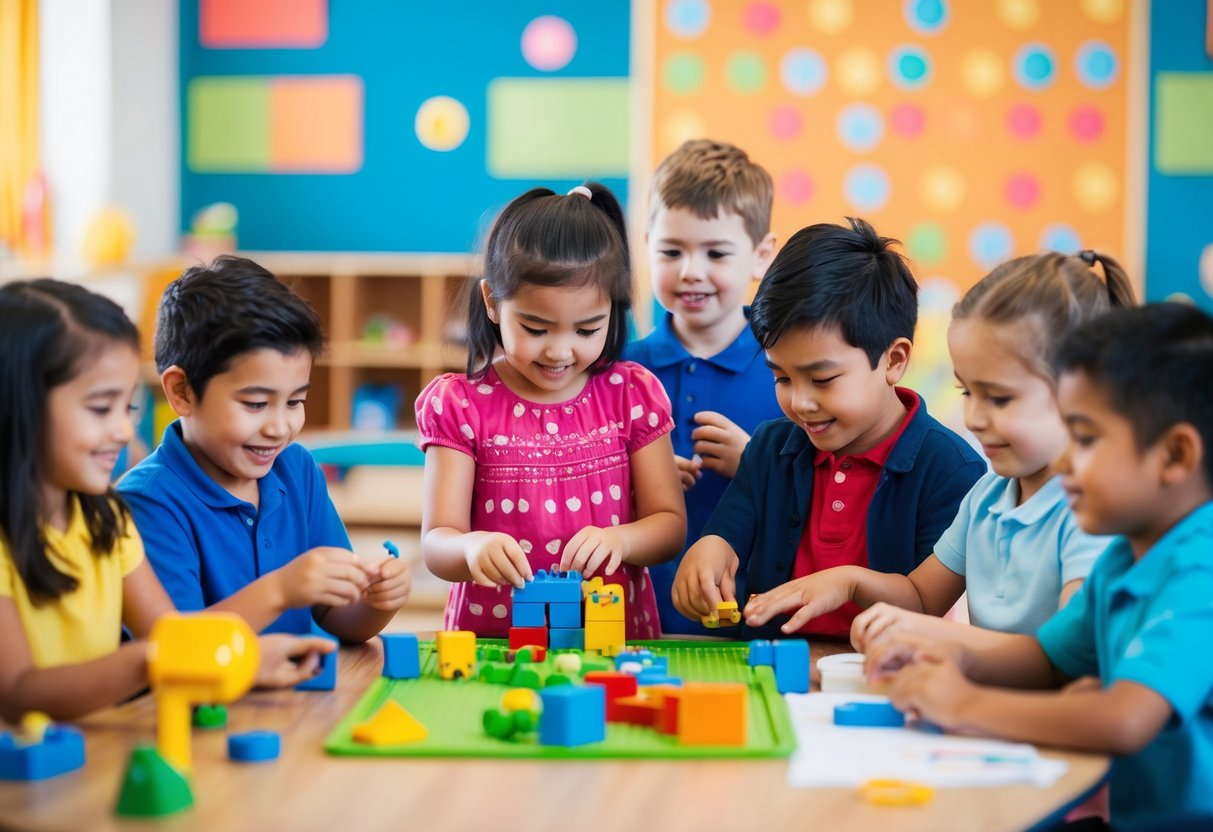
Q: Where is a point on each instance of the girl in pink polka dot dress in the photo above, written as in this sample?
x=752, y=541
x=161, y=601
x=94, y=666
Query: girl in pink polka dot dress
x=550, y=453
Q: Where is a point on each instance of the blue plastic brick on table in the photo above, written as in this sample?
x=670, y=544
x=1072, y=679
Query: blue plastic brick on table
x=326, y=679
x=565, y=615
x=573, y=715
x=762, y=653
x=651, y=676
x=791, y=665
x=529, y=615
x=566, y=639
x=869, y=715
x=254, y=746
x=551, y=588
x=61, y=751
x=401, y=656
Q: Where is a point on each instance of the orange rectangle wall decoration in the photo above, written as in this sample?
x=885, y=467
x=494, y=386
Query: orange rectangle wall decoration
x=316, y=124
x=265, y=24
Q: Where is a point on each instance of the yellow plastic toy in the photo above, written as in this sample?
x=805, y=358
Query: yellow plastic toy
x=205, y=658
x=896, y=793
x=726, y=611
x=456, y=654
x=391, y=725
x=33, y=727
x=604, y=617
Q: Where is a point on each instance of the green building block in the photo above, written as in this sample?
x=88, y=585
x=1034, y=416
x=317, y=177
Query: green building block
x=210, y=716
x=152, y=787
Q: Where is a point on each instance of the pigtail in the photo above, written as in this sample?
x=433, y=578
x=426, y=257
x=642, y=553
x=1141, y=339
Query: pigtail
x=1116, y=280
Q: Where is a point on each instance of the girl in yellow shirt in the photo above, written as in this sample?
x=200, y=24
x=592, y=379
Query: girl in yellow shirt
x=72, y=570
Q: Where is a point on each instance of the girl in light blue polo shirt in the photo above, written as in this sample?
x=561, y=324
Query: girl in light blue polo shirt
x=1014, y=546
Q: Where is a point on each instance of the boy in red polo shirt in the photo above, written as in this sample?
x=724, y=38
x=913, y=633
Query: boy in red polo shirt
x=858, y=473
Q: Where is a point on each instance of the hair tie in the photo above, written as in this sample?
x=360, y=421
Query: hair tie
x=1088, y=256
x=583, y=191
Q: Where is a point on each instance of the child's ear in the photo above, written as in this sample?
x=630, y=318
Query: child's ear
x=490, y=305
x=1183, y=453
x=764, y=253
x=898, y=357
x=178, y=391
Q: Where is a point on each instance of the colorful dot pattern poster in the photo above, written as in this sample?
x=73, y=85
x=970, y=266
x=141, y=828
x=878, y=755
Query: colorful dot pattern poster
x=972, y=131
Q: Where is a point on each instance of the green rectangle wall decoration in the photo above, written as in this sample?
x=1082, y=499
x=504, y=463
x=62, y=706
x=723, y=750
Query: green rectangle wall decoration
x=228, y=122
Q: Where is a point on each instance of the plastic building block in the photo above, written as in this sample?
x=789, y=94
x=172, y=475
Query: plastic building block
x=326, y=679
x=726, y=611
x=253, y=747
x=151, y=787
x=573, y=715
x=392, y=549
x=210, y=716
x=203, y=658
x=617, y=685
x=762, y=652
x=529, y=615
x=671, y=702
x=391, y=725
x=569, y=663
x=530, y=654
x=550, y=588
x=505, y=725
x=566, y=616
x=491, y=652
x=401, y=656
x=59, y=750
x=520, y=699
x=639, y=710
x=651, y=676
x=603, y=602
x=712, y=714
x=607, y=637
x=559, y=679
x=456, y=654
x=496, y=672
x=566, y=639
x=522, y=636
x=869, y=715
x=791, y=665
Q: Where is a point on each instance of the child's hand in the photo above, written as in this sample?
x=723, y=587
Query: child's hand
x=719, y=442
x=391, y=589
x=324, y=575
x=889, y=656
x=932, y=688
x=706, y=576
x=288, y=660
x=880, y=620
x=689, y=471
x=591, y=548
x=810, y=596
x=496, y=559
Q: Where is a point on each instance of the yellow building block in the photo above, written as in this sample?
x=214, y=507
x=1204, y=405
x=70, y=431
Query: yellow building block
x=607, y=637
x=392, y=725
x=456, y=654
x=603, y=602
x=520, y=699
x=712, y=714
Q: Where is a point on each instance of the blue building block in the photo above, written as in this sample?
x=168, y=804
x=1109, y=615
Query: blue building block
x=401, y=656
x=652, y=676
x=551, y=588
x=254, y=747
x=762, y=653
x=566, y=639
x=529, y=615
x=644, y=658
x=869, y=715
x=564, y=615
x=61, y=751
x=326, y=679
x=572, y=715
x=791, y=665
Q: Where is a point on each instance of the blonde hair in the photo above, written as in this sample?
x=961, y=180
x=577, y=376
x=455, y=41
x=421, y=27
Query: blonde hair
x=711, y=177
x=1044, y=297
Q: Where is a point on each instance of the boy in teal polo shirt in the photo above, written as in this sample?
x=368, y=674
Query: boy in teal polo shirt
x=234, y=515
x=708, y=239
x=1136, y=393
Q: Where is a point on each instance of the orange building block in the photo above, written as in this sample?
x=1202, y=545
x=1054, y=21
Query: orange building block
x=712, y=714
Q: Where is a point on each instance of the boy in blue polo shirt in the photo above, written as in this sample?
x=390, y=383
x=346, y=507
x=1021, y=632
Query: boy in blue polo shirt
x=1136, y=393
x=234, y=515
x=709, y=237
x=858, y=473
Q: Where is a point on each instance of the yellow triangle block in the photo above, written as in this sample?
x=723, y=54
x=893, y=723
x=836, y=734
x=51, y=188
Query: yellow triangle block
x=392, y=725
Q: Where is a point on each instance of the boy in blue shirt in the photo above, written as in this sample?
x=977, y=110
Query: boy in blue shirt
x=858, y=473
x=1136, y=392
x=234, y=515
x=709, y=237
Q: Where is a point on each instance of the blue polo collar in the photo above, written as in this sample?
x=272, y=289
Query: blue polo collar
x=666, y=350
x=1175, y=548
x=1038, y=506
x=177, y=458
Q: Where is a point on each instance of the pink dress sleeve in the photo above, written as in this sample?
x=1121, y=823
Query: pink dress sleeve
x=443, y=415
x=649, y=415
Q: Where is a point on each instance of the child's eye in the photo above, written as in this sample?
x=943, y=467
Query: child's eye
x=586, y=333
x=101, y=410
x=782, y=379
x=296, y=402
x=1000, y=401
x=1083, y=441
x=718, y=255
x=256, y=405
x=671, y=253
x=132, y=408
x=535, y=332
x=822, y=382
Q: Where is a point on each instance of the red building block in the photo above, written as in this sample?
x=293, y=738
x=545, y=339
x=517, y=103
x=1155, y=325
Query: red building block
x=524, y=636
x=617, y=685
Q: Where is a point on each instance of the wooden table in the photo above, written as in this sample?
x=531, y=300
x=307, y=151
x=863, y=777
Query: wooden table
x=307, y=789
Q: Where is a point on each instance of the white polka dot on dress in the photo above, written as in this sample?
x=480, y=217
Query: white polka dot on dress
x=485, y=389
x=488, y=506
x=523, y=506
x=652, y=420
x=614, y=519
x=467, y=431
x=596, y=498
x=500, y=611
x=615, y=378
x=573, y=503
x=475, y=609
x=550, y=505
x=436, y=403
x=637, y=411
x=553, y=547
x=552, y=428
x=507, y=505
x=616, y=492
x=519, y=409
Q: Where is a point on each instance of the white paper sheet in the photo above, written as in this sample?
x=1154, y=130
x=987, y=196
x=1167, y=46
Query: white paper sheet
x=832, y=755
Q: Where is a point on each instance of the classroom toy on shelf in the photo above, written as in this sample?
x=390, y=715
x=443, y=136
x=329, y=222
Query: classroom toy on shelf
x=40, y=749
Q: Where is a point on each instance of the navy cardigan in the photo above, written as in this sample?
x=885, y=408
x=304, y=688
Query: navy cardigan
x=763, y=512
